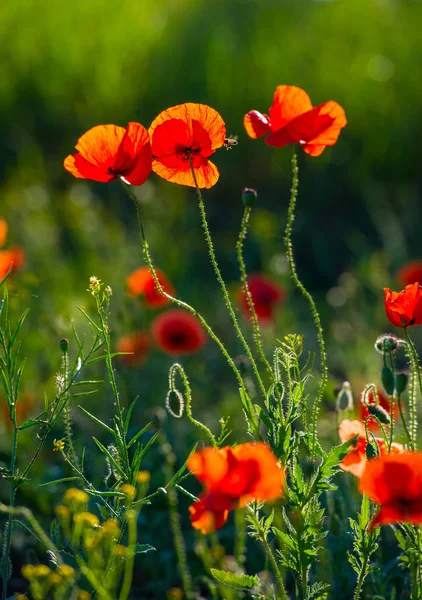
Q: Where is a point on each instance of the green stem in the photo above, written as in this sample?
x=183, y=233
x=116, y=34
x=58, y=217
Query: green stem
x=185, y=305
x=403, y=420
x=175, y=525
x=221, y=281
x=246, y=290
x=290, y=257
x=176, y=368
x=361, y=579
x=130, y=560
x=271, y=557
x=67, y=419
x=416, y=372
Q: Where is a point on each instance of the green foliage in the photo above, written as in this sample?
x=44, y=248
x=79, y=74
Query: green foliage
x=234, y=579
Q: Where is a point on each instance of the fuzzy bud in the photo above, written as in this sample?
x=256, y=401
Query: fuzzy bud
x=401, y=382
x=386, y=343
x=345, y=397
x=371, y=452
x=249, y=197
x=378, y=412
x=64, y=345
x=387, y=378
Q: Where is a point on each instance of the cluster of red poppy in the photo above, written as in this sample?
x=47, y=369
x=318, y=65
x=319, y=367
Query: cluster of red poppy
x=181, y=139
x=175, y=331
x=266, y=295
x=11, y=258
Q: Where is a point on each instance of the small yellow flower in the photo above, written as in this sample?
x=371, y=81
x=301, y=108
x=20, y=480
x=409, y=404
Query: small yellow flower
x=21, y=597
x=94, y=284
x=55, y=579
x=111, y=527
x=28, y=572
x=129, y=490
x=120, y=551
x=175, y=594
x=41, y=571
x=143, y=477
x=66, y=571
x=83, y=595
x=58, y=445
x=87, y=518
x=75, y=497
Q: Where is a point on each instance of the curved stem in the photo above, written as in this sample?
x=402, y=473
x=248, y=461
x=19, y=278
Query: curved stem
x=186, y=306
x=403, y=420
x=176, y=368
x=221, y=281
x=301, y=287
x=246, y=290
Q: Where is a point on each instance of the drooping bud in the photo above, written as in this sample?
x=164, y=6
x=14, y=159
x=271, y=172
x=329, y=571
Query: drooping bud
x=379, y=412
x=249, y=197
x=175, y=403
x=64, y=345
x=345, y=397
x=386, y=343
x=371, y=451
x=401, y=382
x=387, y=378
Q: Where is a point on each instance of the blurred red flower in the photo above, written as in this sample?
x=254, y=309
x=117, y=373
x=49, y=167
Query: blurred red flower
x=141, y=283
x=178, y=332
x=24, y=406
x=266, y=295
x=13, y=257
x=4, y=228
x=109, y=152
x=355, y=461
x=191, y=128
x=404, y=308
x=232, y=478
x=395, y=483
x=293, y=120
x=138, y=344
x=384, y=402
x=410, y=273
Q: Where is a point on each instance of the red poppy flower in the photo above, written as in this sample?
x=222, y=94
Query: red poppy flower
x=195, y=129
x=404, y=308
x=3, y=232
x=137, y=343
x=13, y=258
x=384, y=402
x=355, y=461
x=108, y=152
x=395, y=483
x=293, y=120
x=266, y=295
x=24, y=406
x=178, y=332
x=141, y=283
x=410, y=273
x=232, y=478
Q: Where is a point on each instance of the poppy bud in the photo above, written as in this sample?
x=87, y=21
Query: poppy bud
x=387, y=378
x=243, y=363
x=381, y=414
x=401, y=382
x=345, y=398
x=249, y=197
x=64, y=345
x=386, y=343
x=371, y=451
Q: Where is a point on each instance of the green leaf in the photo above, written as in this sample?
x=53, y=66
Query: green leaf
x=96, y=420
x=238, y=581
x=58, y=481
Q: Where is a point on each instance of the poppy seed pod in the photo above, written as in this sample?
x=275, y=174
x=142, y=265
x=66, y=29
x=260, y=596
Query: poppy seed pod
x=401, y=382
x=249, y=197
x=64, y=345
x=380, y=413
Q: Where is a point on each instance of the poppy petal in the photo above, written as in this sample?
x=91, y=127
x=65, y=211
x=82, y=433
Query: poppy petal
x=256, y=124
x=209, y=465
x=205, y=519
x=133, y=159
x=206, y=174
x=100, y=145
x=79, y=167
x=289, y=102
x=316, y=128
x=3, y=231
x=269, y=480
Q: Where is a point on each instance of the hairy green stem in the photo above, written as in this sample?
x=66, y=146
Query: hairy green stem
x=361, y=578
x=130, y=560
x=416, y=372
x=221, y=281
x=185, y=305
x=290, y=257
x=246, y=290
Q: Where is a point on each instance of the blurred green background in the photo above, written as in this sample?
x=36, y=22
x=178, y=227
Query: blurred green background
x=66, y=67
